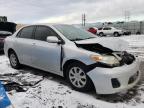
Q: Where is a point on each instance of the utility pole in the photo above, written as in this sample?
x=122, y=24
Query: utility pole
x=127, y=19
x=127, y=16
x=83, y=20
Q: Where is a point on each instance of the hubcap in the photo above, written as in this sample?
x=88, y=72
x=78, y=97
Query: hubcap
x=101, y=34
x=116, y=34
x=13, y=60
x=77, y=77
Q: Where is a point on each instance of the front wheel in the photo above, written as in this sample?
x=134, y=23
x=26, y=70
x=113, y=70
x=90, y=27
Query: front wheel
x=14, y=60
x=78, y=78
x=101, y=34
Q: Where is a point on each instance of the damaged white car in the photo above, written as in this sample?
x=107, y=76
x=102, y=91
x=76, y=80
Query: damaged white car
x=84, y=60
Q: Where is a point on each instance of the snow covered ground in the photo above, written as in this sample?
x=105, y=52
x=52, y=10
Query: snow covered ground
x=136, y=44
x=32, y=88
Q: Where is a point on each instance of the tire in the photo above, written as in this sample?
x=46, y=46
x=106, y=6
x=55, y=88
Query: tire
x=116, y=34
x=14, y=62
x=101, y=34
x=78, y=78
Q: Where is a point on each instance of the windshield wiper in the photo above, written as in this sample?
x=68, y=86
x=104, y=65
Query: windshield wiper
x=89, y=37
x=76, y=39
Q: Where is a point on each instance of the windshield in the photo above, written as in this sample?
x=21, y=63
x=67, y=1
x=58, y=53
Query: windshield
x=72, y=33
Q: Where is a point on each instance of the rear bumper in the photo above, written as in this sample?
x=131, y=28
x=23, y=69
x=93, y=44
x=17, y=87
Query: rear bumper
x=102, y=78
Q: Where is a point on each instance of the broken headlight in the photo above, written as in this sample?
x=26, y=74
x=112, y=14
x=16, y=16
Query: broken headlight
x=106, y=59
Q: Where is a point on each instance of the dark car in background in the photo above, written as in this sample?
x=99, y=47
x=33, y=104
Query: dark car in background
x=6, y=29
x=3, y=35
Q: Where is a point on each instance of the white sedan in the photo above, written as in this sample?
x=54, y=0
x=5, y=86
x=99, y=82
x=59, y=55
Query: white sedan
x=85, y=60
x=109, y=31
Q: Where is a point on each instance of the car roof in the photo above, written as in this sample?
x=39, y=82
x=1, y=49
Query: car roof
x=45, y=24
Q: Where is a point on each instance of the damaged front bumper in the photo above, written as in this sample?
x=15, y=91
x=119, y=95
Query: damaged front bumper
x=117, y=79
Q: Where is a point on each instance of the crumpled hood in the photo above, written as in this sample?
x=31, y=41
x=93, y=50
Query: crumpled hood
x=114, y=44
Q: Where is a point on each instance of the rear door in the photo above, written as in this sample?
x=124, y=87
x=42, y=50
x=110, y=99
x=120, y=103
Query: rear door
x=46, y=56
x=23, y=44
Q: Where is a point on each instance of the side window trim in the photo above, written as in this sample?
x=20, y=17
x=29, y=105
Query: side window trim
x=19, y=33
x=33, y=33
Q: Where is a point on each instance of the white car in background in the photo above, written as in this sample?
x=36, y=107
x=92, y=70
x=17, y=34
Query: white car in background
x=85, y=60
x=109, y=31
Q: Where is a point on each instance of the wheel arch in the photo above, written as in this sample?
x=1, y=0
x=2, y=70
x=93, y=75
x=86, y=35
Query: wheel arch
x=116, y=32
x=68, y=62
x=9, y=51
x=101, y=32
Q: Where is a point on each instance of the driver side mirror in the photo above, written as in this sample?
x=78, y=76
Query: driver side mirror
x=53, y=39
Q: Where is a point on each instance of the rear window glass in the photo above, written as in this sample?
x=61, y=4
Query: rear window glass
x=26, y=32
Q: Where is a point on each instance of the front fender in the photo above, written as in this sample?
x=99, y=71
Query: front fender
x=74, y=53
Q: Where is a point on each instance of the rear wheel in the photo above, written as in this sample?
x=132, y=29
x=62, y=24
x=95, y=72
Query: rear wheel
x=116, y=34
x=78, y=78
x=14, y=60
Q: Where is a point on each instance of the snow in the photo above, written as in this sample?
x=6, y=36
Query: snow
x=45, y=90
x=5, y=66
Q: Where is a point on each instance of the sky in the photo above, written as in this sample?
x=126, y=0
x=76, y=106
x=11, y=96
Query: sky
x=70, y=11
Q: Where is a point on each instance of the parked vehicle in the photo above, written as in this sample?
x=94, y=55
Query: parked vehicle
x=6, y=29
x=85, y=60
x=3, y=35
x=93, y=30
x=125, y=32
x=109, y=31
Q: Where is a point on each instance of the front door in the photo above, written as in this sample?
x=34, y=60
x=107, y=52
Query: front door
x=46, y=56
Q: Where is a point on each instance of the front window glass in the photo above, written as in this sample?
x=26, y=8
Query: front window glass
x=107, y=28
x=43, y=32
x=72, y=33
